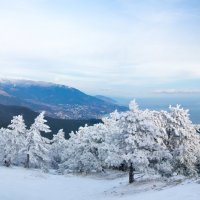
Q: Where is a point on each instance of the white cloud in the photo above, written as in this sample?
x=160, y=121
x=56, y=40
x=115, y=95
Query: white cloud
x=178, y=91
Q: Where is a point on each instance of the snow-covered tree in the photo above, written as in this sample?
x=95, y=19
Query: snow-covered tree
x=5, y=142
x=133, y=106
x=58, y=144
x=135, y=143
x=84, y=152
x=12, y=140
x=183, y=140
x=36, y=146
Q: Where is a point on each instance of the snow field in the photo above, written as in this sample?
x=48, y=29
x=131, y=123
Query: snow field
x=22, y=184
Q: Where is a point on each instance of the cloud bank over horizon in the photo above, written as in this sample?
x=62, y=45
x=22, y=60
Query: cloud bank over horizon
x=175, y=91
x=117, y=47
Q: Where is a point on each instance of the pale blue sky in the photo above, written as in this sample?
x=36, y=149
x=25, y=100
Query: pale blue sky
x=111, y=47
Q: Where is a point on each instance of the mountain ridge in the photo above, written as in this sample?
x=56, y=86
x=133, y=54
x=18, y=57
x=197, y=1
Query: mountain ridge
x=59, y=101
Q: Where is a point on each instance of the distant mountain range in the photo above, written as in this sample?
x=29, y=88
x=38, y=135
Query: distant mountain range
x=59, y=101
x=107, y=99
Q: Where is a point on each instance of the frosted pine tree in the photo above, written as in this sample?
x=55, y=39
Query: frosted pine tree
x=37, y=147
x=16, y=137
x=5, y=146
x=58, y=144
x=133, y=106
x=134, y=145
x=12, y=141
x=84, y=151
x=160, y=158
x=183, y=140
x=124, y=149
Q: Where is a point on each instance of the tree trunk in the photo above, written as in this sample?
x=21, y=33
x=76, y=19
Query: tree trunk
x=7, y=163
x=27, y=161
x=131, y=173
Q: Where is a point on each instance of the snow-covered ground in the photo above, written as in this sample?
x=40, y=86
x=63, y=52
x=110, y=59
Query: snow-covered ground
x=23, y=184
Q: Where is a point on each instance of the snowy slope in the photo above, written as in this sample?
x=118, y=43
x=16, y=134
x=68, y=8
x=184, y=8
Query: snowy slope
x=22, y=184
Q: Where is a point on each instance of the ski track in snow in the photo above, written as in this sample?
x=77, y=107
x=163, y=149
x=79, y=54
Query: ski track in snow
x=22, y=184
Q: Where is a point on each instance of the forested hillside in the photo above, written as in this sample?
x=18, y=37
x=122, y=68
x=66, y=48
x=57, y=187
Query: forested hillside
x=68, y=125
